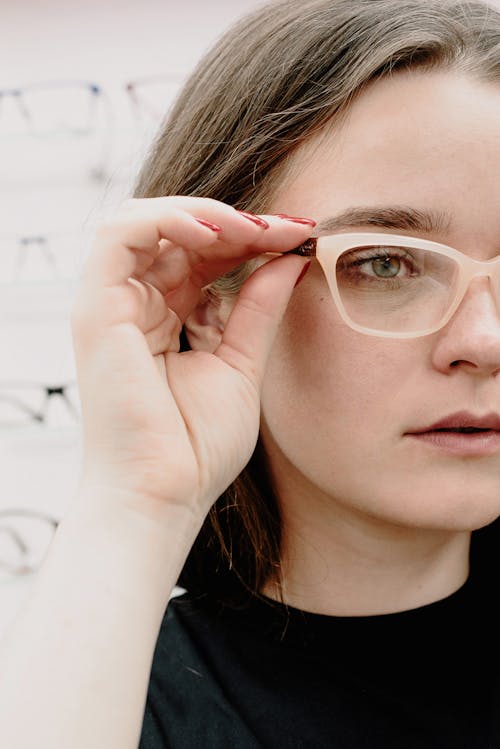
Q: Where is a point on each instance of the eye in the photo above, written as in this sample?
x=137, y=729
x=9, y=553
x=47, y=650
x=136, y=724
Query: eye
x=386, y=267
x=377, y=263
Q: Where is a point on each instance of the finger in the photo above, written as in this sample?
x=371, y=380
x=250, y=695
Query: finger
x=136, y=238
x=166, y=214
x=121, y=241
x=238, y=241
x=284, y=229
x=165, y=337
x=128, y=244
x=160, y=240
x=175, y=271
x=255, y=318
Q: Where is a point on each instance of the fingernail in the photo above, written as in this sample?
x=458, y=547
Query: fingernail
x=255, y=219
x=302, y=273
x=209, y=225
x=297, y=219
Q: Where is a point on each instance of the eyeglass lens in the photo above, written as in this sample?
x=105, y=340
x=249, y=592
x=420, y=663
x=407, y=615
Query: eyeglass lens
x=396, y=289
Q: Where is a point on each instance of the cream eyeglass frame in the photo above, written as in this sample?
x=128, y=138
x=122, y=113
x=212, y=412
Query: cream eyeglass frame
x=328, y=248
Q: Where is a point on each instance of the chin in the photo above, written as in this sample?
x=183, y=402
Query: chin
x=457, y=516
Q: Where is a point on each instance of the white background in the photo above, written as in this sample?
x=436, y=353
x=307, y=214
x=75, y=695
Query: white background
x=46, y=190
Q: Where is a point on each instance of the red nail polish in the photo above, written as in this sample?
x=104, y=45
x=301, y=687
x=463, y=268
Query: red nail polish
x=297, y=219
x=302, y=273
x=255, y=219
x=209, y=225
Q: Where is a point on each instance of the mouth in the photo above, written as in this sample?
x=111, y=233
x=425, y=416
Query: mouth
x=463, y=430
x=463, y=434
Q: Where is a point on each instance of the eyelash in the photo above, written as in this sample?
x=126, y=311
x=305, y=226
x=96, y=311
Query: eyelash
x=377, y=255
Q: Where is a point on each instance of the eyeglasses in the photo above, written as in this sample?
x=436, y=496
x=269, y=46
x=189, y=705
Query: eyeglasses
x=396, y=286
x=29, y=403
x=25, y=537
x=46, y=121
x=42, y=258
x=151, y=96
x=51, y=109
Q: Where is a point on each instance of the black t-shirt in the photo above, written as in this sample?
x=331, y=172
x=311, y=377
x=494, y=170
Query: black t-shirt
x=273, y=676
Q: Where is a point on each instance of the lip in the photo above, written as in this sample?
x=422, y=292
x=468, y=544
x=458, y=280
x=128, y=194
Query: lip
x=462, y=443
x=463, y=419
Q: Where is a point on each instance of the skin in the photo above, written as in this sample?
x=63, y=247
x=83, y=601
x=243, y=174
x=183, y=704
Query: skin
x=373, y=521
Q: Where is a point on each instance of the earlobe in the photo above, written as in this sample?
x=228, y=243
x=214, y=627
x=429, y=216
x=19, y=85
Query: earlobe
x=204, y=326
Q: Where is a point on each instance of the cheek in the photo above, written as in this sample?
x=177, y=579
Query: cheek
x=320, y=370
x=329, y=390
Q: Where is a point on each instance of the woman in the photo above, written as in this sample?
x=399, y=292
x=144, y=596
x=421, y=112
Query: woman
x=319, y=466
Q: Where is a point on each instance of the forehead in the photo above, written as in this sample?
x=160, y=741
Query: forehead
x=426, y=139
x=418, y=114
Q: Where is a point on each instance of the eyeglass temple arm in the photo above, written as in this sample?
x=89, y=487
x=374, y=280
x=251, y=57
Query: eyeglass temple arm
x=306, y=249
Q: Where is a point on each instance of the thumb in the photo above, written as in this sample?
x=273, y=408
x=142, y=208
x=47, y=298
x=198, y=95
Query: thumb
x=254, y=320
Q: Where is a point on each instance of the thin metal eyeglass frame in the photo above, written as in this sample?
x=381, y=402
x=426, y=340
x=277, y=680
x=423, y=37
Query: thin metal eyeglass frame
x=18, y=93
x=98, y=100
x=328, y=248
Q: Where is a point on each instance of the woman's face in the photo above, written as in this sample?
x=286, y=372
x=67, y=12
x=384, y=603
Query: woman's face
x=337, y=405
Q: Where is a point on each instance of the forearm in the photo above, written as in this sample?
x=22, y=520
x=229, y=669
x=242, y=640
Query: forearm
x=75, y=665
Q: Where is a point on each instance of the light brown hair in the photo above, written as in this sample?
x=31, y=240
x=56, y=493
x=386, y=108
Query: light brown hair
x=274, y=79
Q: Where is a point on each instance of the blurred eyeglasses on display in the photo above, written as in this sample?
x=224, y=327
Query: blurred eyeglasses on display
x=38, y=257
x=151, y=96
x=30, y=404
x=25, y=538
x=44, y=127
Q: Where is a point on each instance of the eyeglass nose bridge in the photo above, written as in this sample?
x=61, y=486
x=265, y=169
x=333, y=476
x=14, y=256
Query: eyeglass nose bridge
x=472, y=269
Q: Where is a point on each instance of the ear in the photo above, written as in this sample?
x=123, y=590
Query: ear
x=205, y=324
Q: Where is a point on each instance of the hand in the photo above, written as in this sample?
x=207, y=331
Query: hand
x=160, y=427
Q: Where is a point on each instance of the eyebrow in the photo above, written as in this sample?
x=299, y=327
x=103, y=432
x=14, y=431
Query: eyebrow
x=394, y=217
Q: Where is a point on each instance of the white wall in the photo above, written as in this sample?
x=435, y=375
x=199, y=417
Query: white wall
x=45, y=189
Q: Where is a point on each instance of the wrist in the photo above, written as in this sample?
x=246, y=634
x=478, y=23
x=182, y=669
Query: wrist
x=97, y=498
x=128, y=547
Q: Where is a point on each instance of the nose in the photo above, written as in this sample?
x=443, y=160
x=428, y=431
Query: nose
x=471, y=339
